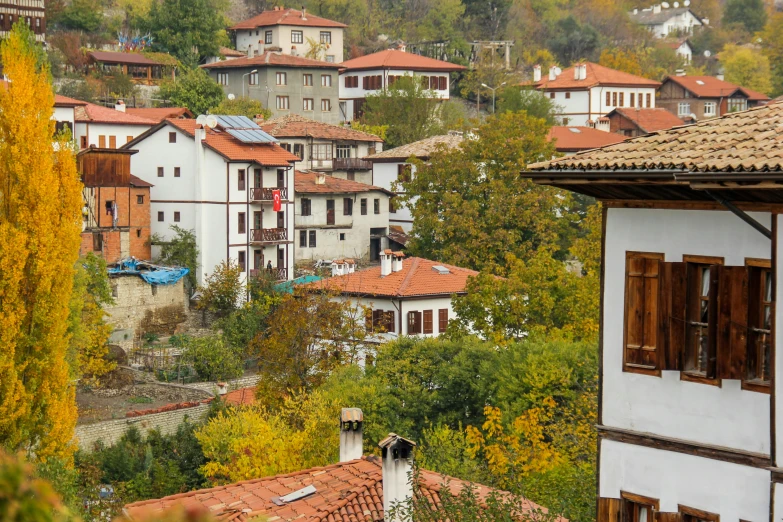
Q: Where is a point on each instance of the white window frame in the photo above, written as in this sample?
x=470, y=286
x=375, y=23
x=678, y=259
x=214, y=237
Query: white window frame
x=326, y=80
x=737, y=104
x=710, y=108
x=330, y=58
x=321, y=151
x=281, y=78
x=342, y=151
x=222, y=78
x=683, y=109
x=307, y=104
x=326, y=105
x=297, y=37
x=282, y=103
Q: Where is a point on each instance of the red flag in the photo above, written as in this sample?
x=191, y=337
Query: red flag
x=276, y=202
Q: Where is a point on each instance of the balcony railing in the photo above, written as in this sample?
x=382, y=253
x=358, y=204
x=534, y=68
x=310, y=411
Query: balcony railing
x=351, y=164
x=270, y=235
x=265, y=194
x=280, y=274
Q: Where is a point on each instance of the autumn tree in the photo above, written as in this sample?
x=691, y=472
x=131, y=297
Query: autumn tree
x=472, y=207
x=24, y=497
x=191, y=30
x=772, y=48
x=39, y=245
x=241, y=107
x=223, y=289
x=751, y=14
x=747, y=68
x=193, y=89
x=180, y=250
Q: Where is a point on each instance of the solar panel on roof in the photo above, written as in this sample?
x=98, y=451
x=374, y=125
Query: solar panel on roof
x=251, y=136
x=236, y=122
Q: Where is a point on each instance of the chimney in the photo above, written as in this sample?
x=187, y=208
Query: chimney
x=536, y=73
x=351, y=423
x=120, y=106
x=553, y=73
x=249, y=51
x=259, y=119
x=656, y=8
x=320, y=178
x=222, y=388
x=338, y=267
x=635, y=11
x=720, y=76
x=350, y=266
x=397, y=261
x=679, y=72
x=304, y=13
x=397, y=459
x=705, y=21
x=580, y=71
x=386, y=262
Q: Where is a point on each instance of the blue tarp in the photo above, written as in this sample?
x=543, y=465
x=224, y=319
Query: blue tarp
x=288, y=286
x=152, y=274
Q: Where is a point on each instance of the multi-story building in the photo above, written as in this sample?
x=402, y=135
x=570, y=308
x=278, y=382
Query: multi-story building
x=663, y=21
x=637, y=122
x=688, y=417
x=694, y=98
x=233, y=185
x=366, y=75
x=291, y=32
x=116, y=208
x=284, y=84
x=31, y=11
x=106, y=128
x=340, y=218
x=323, y=147
x=587, y=91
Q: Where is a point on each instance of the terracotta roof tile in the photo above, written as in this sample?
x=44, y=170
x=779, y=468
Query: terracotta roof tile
x=417, y=278
x=240, y=397
x=64, y=101
x=91, y=113
x=421, y=149
x=596, y=75
x=572, y=139
x=296, y=126
x=285, y=17
x=159, y=114
x=271, y=59
x=305, y=183
x=118, y=57
x=138, y=182
x=742, y=141
x=650, y=120
x=399, y=60
x=711, y=87
x=226, y=52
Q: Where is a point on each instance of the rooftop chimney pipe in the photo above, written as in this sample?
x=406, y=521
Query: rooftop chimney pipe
x=397, y=458
x=351, y=428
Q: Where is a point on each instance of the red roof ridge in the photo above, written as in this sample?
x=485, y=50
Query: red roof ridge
x=283, y=17
x=596, y=74
x=400, y=60
x=407, y=281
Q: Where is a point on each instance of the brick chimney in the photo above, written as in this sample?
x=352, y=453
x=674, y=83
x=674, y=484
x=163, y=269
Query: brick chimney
x=386, y=262
x=536, y=73
x=351, y=428
x=397, y=460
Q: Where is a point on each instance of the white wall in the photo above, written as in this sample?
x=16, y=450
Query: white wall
x=732, y=491
x=360, y=92
x=584, y=105
x=383, y=175
x=281, y=37
x=682, y=22
x=724, y=416
x=778, y=343
x=120, y=132
x=64, y=114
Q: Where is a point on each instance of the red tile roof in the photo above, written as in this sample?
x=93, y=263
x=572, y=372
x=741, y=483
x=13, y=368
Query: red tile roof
x=305, y=183
x=350, y=491
x=273, y=59
x=64, y=101
x=91, y=113
x=417, y=278
x=124, y=58
x=596, y=75
x=295, y=126
x=650, y=120
x=138, y=182
x=160, y=114
x=225, y=51
x=285, y=17
x=711, y=87
x=240, y=397
x=573, y=139
x=268, y=154
x=399, y=60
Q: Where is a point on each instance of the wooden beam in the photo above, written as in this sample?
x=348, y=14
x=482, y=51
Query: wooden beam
x=692, y=205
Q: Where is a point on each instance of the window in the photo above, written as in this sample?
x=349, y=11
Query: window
x=427, y=321
x=568, y=95
x=241, y=223
x=139, y=199
x=351, y=82
x=282, y=103
x=222, y=78
x=312, y=238
x=614, y=99
x=160, y=216
x=102, y=142
x=343, y=151
x=112, y=142
x=342, y=236
x=347, y=207
x=321, y=151
x=710, y=109
x=297, y=37
x=636, y=508
x=642, y=282
x=649, y=100
x=299, y=150
x=307, y=80
x=622, y=99
x=376, y=206
x=128, y=139
x=307, y=104
x=326, y=37
x=414, y=323
x=683, y=109
x=434, y=83
x=306, y=207
x=608, y=98
x=330, y=58
x=633, y=100
x=326, y=104
x=701, y=308
x=83, y=142
x=241, y=179
x=253, y=78
x=443, y=320
x=172, y=137
x=176, y=172
x=551, y=96
x=404, y=172
x=372, y=83
x=379, y=321
x=392, y=206
x=176, y=217
x=303, y=238
x=97, y=241
x=268, y=38
x=281, y=78
x=138, y=232
x=160, y=172
x=443, y=83
x=737, y=104
x=242, y=260
x=364, y=206
x=696, y=515
x=759, y=324
x=286, y=146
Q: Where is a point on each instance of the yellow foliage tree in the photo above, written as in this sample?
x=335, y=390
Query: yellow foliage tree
x=746, y=67
x=40, y=203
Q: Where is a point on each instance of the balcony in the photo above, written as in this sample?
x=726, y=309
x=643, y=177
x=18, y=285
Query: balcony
x=351, y=164
x=268, y=235
x=279, y=274
x=265, y=194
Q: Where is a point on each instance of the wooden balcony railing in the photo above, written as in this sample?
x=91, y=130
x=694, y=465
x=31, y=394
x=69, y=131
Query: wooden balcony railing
x=262, y=235
x=351, y=164
x=280, y=274
x=265, y=194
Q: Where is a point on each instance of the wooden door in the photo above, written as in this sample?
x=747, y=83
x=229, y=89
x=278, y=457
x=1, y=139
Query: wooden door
x=258, y=259
x=330, y=212
x=257, y=179
x=280, y=258
x=281, y=220
x=280, y=178
x=257, y=220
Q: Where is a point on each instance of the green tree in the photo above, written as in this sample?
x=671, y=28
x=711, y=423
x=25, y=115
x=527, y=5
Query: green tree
x=191, y=30
x=223, y=288
x=751, y=14
x=471, y=206
x=213, y=359
x=747, y=68
x=193, y=89
x=26, y=498
x=531, y=101
x=181, y=250
x=772, y=47
x=571, y=41
x=83, y=15
x=241, y=107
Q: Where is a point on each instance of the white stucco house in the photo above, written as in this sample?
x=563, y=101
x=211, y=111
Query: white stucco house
x=407, y=296
x=587, y=91
x=337, y=150
x=337, y=218
x=290, y=31
x=688, y=417
x=662, y=21
x=107, y=128
x=224, y=184
x=369, y=74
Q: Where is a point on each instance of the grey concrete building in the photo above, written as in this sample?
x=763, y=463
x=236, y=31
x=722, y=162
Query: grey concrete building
x=282, y=83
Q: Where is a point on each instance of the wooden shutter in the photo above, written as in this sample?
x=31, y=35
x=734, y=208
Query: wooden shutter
x=112, y=142
x=641, y=311
x=414, y=323
x=443, y=320
x=368, y=316
x=732, y=338
x=388, y=321
x=609, y=510
x=366, y=83
x=433, y=83
x=672, y=312
x=427, y=321
x=442, y=83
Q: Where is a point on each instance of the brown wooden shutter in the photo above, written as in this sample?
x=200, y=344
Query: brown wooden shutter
x=609, y=510
x=712, y=328
x=673, y=290
x=427, y=321
x=368, y=315
x=443, y=320
x=641, y=311
x=388, y=320
x=442, y=84
x=411, y=322
x=366, y=83
x=732, y=338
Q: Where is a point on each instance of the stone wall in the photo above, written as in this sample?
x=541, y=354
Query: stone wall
x=235, y=384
